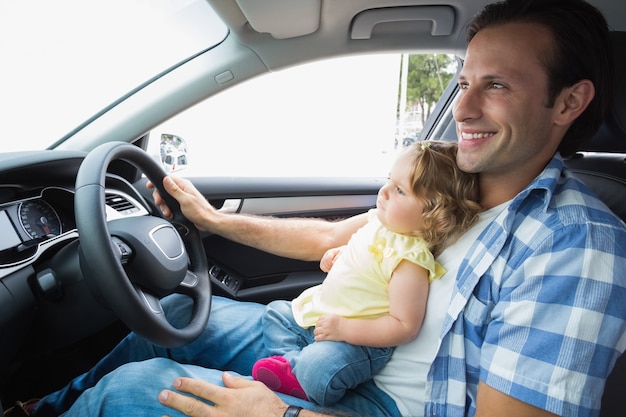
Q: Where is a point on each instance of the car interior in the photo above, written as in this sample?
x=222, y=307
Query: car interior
x=56, y=321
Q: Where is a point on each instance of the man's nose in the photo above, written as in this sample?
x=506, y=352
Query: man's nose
x=466, y=106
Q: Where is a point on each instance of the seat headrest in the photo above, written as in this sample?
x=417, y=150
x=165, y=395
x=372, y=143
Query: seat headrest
x=611, y=137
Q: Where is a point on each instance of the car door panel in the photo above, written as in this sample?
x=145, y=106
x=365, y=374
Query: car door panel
x=245, y=273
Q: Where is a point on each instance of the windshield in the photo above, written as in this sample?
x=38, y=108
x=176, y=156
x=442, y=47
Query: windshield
x=65, y=60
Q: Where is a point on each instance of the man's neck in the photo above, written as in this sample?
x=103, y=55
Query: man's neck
x=497, y=190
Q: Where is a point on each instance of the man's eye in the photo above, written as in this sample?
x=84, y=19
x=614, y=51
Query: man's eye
x=497, y=86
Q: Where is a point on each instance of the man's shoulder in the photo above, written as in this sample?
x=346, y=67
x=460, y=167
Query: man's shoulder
x=557, y=196
x=560, y=208
x=575, y=203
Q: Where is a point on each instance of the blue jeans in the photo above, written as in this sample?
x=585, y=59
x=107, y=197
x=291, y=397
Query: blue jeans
x=233, y=341
x=325, y=370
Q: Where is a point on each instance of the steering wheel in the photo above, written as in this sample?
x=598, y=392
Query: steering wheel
x=133, y=262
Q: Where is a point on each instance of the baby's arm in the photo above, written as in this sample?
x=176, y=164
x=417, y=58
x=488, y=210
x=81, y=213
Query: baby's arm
x=328, y=260
x=408, y=294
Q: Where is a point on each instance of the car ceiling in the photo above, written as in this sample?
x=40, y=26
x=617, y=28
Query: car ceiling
x=319, y=28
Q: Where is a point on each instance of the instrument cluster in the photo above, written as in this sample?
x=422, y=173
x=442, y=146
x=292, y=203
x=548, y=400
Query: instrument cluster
x=25, y=224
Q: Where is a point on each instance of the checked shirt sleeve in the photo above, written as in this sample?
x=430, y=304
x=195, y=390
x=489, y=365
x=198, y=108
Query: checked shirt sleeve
x=557, y=324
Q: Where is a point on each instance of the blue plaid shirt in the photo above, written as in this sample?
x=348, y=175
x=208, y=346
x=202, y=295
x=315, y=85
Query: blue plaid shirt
x=539, y=308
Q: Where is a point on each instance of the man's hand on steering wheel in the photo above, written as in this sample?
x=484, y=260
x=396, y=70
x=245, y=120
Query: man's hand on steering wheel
x=193, y=205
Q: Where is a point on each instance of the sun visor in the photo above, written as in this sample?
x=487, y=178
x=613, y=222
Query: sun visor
x=282, y=18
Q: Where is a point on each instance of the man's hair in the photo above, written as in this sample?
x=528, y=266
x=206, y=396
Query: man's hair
x=581, y=51
x=450, y=196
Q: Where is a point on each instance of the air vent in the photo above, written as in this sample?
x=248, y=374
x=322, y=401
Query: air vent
x=120, y=204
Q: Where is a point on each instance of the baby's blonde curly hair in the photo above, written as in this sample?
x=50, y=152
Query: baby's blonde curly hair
x=450, y=195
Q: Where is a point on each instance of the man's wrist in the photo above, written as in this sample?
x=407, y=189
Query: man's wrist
x=292, y=411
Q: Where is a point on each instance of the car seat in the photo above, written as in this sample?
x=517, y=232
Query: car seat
x=603, y=164
x=603, y=168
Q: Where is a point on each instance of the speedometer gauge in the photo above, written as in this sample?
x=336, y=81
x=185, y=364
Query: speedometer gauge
x=39, y=219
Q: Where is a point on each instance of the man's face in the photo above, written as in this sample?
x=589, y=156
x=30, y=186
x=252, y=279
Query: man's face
x=505, y=130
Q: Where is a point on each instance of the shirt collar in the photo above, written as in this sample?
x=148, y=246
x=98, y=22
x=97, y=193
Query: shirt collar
x=543, y=186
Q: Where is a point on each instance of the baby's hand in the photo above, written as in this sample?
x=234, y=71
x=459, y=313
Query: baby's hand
x=329, y=258
x=328, y=327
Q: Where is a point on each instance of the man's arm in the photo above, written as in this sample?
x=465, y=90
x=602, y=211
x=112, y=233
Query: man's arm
x=304, y=239
x=492, y=403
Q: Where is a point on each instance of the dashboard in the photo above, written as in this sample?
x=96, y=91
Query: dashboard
x=37, y=204
x=33, y=224
x=26, y=224
x=42, y=287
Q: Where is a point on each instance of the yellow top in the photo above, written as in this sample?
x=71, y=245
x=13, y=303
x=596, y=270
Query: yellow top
x=357, y=284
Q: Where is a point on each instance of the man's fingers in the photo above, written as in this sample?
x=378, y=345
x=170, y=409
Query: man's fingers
x=233, y=381
x=170, y=185
x=188, y=405
x=197, y=387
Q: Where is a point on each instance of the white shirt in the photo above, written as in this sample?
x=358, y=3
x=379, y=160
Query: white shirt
x=404, y=376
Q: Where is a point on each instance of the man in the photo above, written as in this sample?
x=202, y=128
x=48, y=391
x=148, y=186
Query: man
x=535, y=280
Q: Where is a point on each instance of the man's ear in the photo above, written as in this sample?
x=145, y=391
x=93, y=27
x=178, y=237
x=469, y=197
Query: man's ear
x=573, y=101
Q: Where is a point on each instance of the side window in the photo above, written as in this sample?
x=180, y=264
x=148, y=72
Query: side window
x=340, y=117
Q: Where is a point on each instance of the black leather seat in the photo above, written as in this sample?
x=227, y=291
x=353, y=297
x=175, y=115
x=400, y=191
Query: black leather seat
x=603, y=164
x=605, y=174
x=603, y=168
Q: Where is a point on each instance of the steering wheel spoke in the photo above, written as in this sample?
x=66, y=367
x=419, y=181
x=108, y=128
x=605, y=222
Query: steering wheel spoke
x=190, y=280
x=153, y=304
